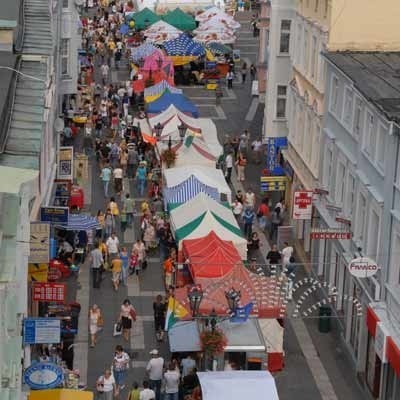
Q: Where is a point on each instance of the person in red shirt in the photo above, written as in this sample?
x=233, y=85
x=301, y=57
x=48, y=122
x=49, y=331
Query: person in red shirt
x=263, y=213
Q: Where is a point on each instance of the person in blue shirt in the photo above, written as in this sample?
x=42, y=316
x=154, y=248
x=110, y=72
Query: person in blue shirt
x=106, y=177
x=248, y=218
x=141, y=175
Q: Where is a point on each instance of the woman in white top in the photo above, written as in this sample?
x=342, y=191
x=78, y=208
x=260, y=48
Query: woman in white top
x=106, y=385
x=141, y=252
x=95, y=321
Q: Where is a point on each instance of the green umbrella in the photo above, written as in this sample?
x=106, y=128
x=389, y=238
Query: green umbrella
x=143, y=19
x=180, y=20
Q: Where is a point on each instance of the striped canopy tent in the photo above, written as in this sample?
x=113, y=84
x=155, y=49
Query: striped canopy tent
x=180, y=101
x=143, y=51
x=158, y=63
x=161, y=32
x=209, y=176
x=180, y=20
x=144, y=18
x=154, y=92
x=79, y=222
x=171, y=130
x=199, y=216
x=169, y=113
x=186, y=190
x=184, y=49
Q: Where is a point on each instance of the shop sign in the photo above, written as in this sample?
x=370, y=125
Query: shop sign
x=51, y=292
x=43, y=375
x=381, y=341
x=363, y=267
x=55, y=215
x=273, y=184
x=334, y=234
x=39, y=243
x=65, y=160
x=42, y=330
x=274, y=145
x=302, y=204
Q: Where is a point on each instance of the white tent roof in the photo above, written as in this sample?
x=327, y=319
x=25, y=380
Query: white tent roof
x=169, y=113
x=210, y=135
x=238, y=385
x=209, y=13
x=209, y=176
x=220, y=20
x=161, y=32
x=220, y=37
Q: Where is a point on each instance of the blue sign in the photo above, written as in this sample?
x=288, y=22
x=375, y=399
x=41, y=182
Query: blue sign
x=43, y=375
x=211, y=64
x=42, y=330
x=54, y=215
x=242, y=313
x=274, y=144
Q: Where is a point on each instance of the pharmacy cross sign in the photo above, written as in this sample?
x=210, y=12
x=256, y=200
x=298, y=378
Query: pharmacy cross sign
x=302, y=204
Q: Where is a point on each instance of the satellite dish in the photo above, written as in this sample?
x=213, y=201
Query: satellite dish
x=59, y=124
x=79, y=2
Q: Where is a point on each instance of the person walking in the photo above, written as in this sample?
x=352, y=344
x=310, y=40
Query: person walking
x=106, y=385
x=241, y=164
x=287, y=253
x=140, y=248
x=118, y=176
x=116, y=268
x=95, y=323
x=159, y=309
x=141, y=175
x=263, y=214
x=187, y=364
x=106, y=177
x=120, y=365
x=133, y=161
x=244, y=72
x=155, y=371
x=237, y=209
x=228, y=166
x=248, y=219
x=105, y=69
x=112, y=244
x=276, y=220
x=147, y=393
x=134, y=394
x=101, y=220
x=256, y=146
x=274, y=257
x=97, y=262
x=253, y=72
x=172, y=379
x=123, y=255
x=229, y=79
x=126, y=316
x=109, y=223
x=129, y=205
x=250, y=199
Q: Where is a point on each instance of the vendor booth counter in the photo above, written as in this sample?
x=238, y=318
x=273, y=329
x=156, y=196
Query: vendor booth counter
x=60, y=394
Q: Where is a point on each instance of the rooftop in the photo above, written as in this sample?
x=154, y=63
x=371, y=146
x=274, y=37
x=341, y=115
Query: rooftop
x=376, y=75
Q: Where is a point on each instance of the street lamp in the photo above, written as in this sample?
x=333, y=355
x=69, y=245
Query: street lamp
x=232, y=297
x=158, y=129
x=169, y=143
x=195, y=295
x=182, y=131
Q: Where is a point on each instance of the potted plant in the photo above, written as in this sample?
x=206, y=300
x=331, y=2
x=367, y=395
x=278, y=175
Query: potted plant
x=168, y=156
x=213, y=342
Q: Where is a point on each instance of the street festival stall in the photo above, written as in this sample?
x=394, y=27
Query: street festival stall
x=161, y=32
x=180, y=20
x=181, y=102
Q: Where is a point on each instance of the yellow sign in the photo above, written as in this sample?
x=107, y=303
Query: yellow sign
x=60, y=394
x=37, y=272
x=273, y=183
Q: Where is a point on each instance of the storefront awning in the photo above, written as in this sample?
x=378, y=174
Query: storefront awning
x=184, y=336
x=60, y=394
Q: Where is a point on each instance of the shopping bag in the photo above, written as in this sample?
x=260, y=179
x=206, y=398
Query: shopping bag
x=132, y=313
x=117, y=329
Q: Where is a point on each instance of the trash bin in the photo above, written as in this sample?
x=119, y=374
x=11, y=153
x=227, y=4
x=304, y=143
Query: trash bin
x=324, y=322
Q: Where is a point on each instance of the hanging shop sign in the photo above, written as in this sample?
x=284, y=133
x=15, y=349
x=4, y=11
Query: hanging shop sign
x=55, y=215
x=51, y=292
x=363, y=267
x=321, y=234
x=65, y=161
x=273, y=184
x=274, y=145
x=39, y=243
x=42, y=330
x=43, y=375
x=302, y=204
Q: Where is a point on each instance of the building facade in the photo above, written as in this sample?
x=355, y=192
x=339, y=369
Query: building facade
x=359, y=170
x=262, y=60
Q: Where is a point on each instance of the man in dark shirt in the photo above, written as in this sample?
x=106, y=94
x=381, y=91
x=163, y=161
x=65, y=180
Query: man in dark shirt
x=274, y=256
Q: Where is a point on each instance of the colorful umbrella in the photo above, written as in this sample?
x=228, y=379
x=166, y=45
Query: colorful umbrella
x=218, y=48
x=222, y=37
x=124, y=29
x=161, y=32
x=144, y=51
x=180, y=20
x=143, y=19
x=184, y=46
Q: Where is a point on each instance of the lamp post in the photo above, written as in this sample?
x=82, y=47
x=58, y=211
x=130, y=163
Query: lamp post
x=169, y=143
x=182, y=131
x=158, y=129
x=195, y=295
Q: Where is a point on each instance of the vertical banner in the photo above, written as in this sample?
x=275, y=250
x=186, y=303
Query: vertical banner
x=39, y=243
x=274, y=146
x=65, y=168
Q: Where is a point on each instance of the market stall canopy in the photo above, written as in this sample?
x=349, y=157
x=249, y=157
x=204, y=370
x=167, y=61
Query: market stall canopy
x=144, y=18
x=154, y=92
x=180, y=20
x=60, y=394
x=181, y=102
x=201, y=215
x=211, y=28
x=158, y=63
x=209, y=176
x=161, y=32
x=237, y=385
x=220, y=20
x=163, y=6
x=169, y=113
x=210, y=135
x=186, y=190
x=171, y=130
x=184, y=45
x=79, y=222
x=184, y=336
x=210, y=256
x=218, y=49
x=143, y=51
x=220, y=37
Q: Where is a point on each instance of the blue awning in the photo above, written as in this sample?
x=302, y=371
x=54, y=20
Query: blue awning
x=77, y=222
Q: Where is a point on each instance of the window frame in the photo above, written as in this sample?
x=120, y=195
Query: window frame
x=348, y=124
x=285, y=33
x=381, y=133
x=340, y=195
x=281, y=97
x=65, y=4
x=361, y=229
x=334, y=110
x=65, y=57
x=368, y=134
x=313, y=60
x=351, y=197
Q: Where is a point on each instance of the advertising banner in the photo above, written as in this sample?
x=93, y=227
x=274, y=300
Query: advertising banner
x=39, y=243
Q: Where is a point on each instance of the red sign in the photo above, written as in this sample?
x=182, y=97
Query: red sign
x=54, y=292
x=321, y=234
x=343, y=220
x=302, y=204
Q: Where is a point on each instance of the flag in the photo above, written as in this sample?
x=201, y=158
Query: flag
x=242, y=313
x=175, y=311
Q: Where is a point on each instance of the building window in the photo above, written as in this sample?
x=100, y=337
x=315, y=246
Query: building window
x=316, y=5
x=298, y=43
x=308, y=133
x=334, y=99
x=369, y=136
x=357, y=121
x=394, y=258
x=284, y=45
x=328, y=168
x=340, y=183
x=361, y=214
x=313, y=56
x=305, y=50
x=373, y=235
x=65, y=3
x=380, y=147
x=326, y=9
x=355, y=324
x=351, y=196
x=65, y=43
x=348, y=107
x=281, y=101
x=316, y=148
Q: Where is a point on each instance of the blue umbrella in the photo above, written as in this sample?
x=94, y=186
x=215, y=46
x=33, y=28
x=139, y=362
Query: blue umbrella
x=184, y=46
x=78, y=222
x=124, y=29
x=143, y=51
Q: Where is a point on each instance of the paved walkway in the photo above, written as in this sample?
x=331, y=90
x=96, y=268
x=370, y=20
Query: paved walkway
x=314, y=369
